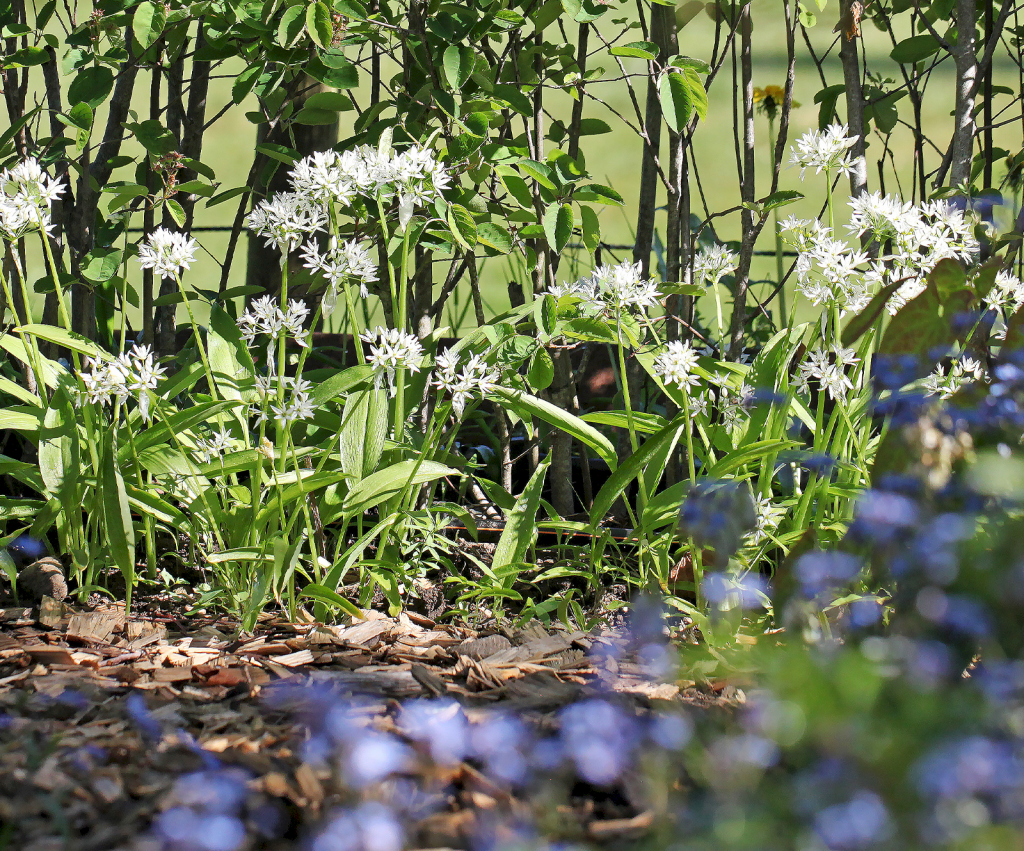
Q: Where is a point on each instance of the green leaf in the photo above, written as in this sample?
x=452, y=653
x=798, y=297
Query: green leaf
x=599, y=194
x=117, y=515
x=828, y=98
x=81, y=116
x=638, y=49
x=341, y=382
x=101, y=264
x=292, y=23
x=634, y=466
x=340, y=74
x=526, y=405
x=389, y=482
x=331, y=598
x=462, y=225
x=334, y=101
x=62, y=337
x=177, y=212
x=228, y=354
x=364, y=423
x=749, y=454
x=591, y=228
x=520, y=523
x=698, y=95
x=458, y=65
x=59, y=445
x=154, y=137
x=558, y=223
x=542, y=370
x=319, y=24
x=494, y=236
x=676, y=100
x=311, y=117
x=780, y=199
x=914, y=49
x=282, y=154
x=91, y=85
x=245, y=82
x=514, y=97
x=149, y=22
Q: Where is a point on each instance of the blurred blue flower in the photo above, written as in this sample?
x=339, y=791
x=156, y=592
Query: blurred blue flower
x=599, y=737
x=223, y=790
x=729, y=592
x=439, y=724
x=182, y=829
x=369, y=827
x=858, y=823
x=974, y=765
x=501, y=742
x=821, y=572
x=135, y=704
x=881, y=517
x=717, y=514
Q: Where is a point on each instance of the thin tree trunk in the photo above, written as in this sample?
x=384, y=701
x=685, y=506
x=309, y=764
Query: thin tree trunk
x=747, y=190
x=848, y=46
x=962, y=146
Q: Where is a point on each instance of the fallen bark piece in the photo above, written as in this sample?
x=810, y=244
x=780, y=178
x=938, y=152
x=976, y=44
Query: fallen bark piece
x=43, y=578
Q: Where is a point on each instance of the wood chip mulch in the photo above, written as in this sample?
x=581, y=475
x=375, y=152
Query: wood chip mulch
x=100, y=714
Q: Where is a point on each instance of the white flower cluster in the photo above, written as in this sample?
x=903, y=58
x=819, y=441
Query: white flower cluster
x=675, y=364
x=413, y=175
x=286, y=220
x=827, y=150
x=129, y=374
x=167, y=253
x=733, y=404
x=216, y=446
x=265, y=317
x=475, y=379
x=391, y=350
x=341, y=261
x=611, y=289
x=712, y=263
x=295, y=406
x=1007, y=292
x=829, y=270
x=828, y=368
x=26, y=193
x=768, y=516
x=964, y=371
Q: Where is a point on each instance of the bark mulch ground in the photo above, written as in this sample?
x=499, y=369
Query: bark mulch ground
x=101, y=714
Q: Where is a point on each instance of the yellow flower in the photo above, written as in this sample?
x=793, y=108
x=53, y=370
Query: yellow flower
x=769, y=99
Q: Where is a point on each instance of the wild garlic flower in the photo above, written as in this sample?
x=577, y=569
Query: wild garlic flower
x=215, y=446
x=130, y=374
x=286, y=221
x=675, y=365
x=340, y=262
x=964, y=371
x=264, y=317
x=712, y=263
x=831, y=376
x=475, y=379
x=827, y=150
x=611, y=289
x=26, y=193
x=768, y=516
x=1007, y=292
x=885, y=217
x=296, y=404
x=827, y=268
x=167, y=253
x=390, y=351
x=321, y=178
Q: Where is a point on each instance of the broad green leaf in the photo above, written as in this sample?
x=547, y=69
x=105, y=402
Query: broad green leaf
x=59, y=445
x=520, y=523
x=91, y=85
x=915, y=48
x=780, y=199
x=591, y=228
x=148, y=22
x=494, y=236
x=228, y=354
x=638, y=49
x=117, y=515
x=462, y=226
x=633, y=467
x=319, y=25
x=643, y=422
x=389, y=482
x=859, y=325
x=364, y=423
x=331, y=598
x=542, y=371
x=749, y=454
x=340, y=74
x=146, y=502
x=154, y=137
x=676, y=99
x=341, y=382
x=526, y=405
x=332, y=101
x=62, y=337
x=312, y=117
x=292, y=23
x=698, y=95
x=458, y=65
x=558, y=223
x=101, y=264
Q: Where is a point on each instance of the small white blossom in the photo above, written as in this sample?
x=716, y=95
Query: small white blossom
x=830, y=375
x=475, y=379
x=130, y=374
x=712, y=263
x=321, y=178
x=265, y=317
x=167, y=253
x=26, y=193
x=827, y=150
x=768, y=516
x=340, y=262
x=611, y=289
x=675, y=365
x=286, y=221
x=1007, y=292
x=215, y=446
x=391, y=350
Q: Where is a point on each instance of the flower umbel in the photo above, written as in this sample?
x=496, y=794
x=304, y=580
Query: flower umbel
x=611, y=289
x=675, y=364
x=167, y=253
x=391, y=350
x=26, y=193
x=475, y=379
x=827, y=150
